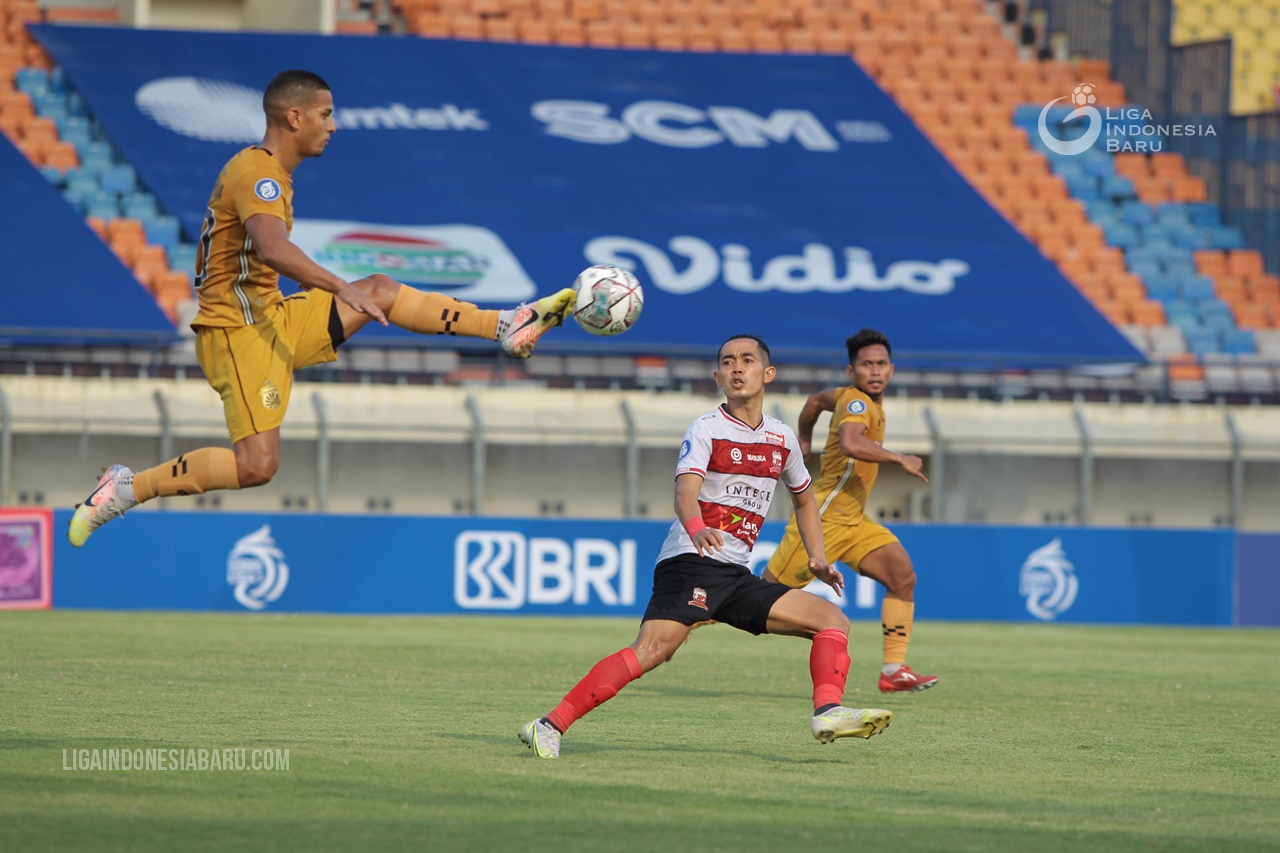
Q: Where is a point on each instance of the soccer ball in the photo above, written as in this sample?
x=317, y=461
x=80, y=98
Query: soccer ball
x=608, y=299
x=1084, y=95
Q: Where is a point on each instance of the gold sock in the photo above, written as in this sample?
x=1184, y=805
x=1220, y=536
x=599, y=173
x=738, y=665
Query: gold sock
x=437, y=314
x=191, y=473
x=895, y=618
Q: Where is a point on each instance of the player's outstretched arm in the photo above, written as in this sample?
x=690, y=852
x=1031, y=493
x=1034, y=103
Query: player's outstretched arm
x=275, y=249
x=822, y=401
x=854, y=443
x=707, y=540
x=810, y=525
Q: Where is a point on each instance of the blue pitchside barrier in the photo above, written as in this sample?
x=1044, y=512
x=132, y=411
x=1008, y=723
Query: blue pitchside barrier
x=528, y=566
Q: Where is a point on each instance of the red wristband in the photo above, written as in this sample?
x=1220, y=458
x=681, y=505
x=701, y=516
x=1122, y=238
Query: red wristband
x=694, y=526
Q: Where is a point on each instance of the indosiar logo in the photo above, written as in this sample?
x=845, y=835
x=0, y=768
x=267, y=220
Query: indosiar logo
x=1083, y=97
x=257, y=570
x=815, y=270
x=504, y=570
x=1048, y=581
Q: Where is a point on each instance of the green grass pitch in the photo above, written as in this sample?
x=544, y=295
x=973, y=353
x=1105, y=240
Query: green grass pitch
x=401, y=734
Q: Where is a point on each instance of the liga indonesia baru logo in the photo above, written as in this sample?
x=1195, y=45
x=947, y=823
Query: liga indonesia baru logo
x=1125, y=129
x=257, y=570
x=1083, y=97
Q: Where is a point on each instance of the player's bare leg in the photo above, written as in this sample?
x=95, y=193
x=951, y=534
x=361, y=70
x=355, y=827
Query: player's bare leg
x=891, y=567
x=517, y=329
x=799, y=614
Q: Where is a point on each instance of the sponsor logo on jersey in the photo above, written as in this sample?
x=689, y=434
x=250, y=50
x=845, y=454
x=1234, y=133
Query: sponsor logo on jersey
x=735, y=454
x=775, y=438
x=465, y=261
x=856, y=407
x=257, y=570
x=267, y=190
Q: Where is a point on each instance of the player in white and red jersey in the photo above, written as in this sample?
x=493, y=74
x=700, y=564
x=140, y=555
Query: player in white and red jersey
x=731, y=461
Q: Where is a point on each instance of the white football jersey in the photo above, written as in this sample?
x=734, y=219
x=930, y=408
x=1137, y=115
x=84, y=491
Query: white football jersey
x=741, y=466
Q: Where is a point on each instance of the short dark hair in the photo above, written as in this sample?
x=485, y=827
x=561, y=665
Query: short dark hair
x=287, y=88
x=764, y=348
x=866, y=338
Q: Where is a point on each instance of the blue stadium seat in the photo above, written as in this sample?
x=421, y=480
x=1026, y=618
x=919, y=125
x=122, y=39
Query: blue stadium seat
x=119, y=179
x=182, y=257
x=139, y=206
x=1239, y=342
x=1026, y=115
x=1202, y=342
x=1137, y=213
x=162, y=230
x=1204, y=214
x=1120, y=236
x=1118, y=186
x=1173, y=213
x=104, y=208
x=1197, y=288
x=1098, y=164
x=1191, y=237
x=1227, y=237
x=58, y=80
x=1162, y=287
x=1145, y=268
x=33, y=81
x=1082, y=186
x=53, y=175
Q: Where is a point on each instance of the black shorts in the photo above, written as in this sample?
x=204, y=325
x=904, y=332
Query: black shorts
x=688, y=589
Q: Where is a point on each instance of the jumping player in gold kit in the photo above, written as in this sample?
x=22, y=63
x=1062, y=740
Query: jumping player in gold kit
x=250, y=338
x=850, y=462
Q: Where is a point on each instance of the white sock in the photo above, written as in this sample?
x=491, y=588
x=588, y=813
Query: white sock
x=890, y=668
x=505, y=318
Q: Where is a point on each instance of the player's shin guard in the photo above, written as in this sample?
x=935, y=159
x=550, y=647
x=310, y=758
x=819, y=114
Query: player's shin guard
x=193, y=473
x=437, y=314
x=895, y=617
x=599, y=685
x=829, y=667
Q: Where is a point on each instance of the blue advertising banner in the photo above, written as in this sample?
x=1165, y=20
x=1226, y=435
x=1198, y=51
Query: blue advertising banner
x=61, y=283
x=785, y=195
x=358, y=564
x=1258, y=579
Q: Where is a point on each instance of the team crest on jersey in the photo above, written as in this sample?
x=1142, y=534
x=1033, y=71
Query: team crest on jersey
x=699, y=597
x=857, y=407
x=775, y=438
x=267, y=189
x=270, y=395
x=775, y=469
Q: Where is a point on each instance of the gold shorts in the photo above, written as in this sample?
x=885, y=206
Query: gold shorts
x=848, y=544
x=251, y=367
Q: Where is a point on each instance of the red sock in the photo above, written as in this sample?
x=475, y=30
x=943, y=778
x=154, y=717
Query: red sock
x=829, y=666
x=598, y=686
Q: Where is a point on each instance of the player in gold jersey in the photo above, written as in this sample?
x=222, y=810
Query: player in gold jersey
x=250, y=338
x=850, y=462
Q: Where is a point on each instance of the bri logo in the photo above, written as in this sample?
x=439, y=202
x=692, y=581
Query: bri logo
x=504, y=570
x=1048, y=582
x=257, y=570
x=815, y=269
